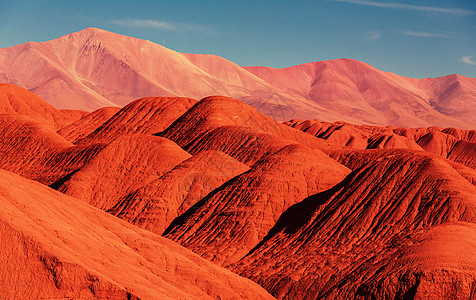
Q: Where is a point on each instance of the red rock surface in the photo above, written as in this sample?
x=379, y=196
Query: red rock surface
x=26, y=144
x=311, y=214
x=391, y=140
x=468, y=135
x=56, y=247
x=155, y=205
x=437, y=143
x=464, y=152
x=467, y=173
x=87, y=124
x=216, y=111
x=222, y=123
x=123, y=166
x=93, y=68
x=245, y=145
x=341, y=133
x=145, y=116
x=234, y=219
x=34, y=150
x=386, y=231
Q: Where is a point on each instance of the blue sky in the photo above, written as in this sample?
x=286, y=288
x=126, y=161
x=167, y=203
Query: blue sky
x=411, y=38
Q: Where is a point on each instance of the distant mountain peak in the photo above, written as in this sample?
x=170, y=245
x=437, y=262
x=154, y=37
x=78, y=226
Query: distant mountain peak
x=94, y=68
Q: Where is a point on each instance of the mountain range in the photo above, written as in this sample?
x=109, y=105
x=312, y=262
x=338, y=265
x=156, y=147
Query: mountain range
x=132, y=171
x=94, y=68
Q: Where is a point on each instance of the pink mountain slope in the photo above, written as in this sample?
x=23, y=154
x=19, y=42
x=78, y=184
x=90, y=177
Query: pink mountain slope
x=94, y=68
x=371, y=96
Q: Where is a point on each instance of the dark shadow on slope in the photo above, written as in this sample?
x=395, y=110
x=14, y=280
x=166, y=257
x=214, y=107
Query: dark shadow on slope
x=58, y=183
x=124, y=202
x=411, y=280
x=180, y=220
x=296, y=216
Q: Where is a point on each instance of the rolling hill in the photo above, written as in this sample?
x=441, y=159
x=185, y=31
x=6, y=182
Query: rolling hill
x=304, y=208
x=54, y=246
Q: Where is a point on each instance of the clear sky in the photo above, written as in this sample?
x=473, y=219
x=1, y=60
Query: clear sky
x=420, y=38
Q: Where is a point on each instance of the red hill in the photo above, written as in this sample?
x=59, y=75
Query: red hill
x=54, y=246
x=217, y=113
x=234, y=218
x=239, y=188
x=464, y=152
x=123, y=166
x=454, y=144
x=391, y=140
x=18, y=101
x=383, y=232
x=437, y=142
x=87, y=124
x=144, y=116
x=155, y=205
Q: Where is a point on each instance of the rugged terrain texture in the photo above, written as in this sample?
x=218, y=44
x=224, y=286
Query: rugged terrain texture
x=54, y=246
x=306, y=209
x=385, y=231
x=455, y=144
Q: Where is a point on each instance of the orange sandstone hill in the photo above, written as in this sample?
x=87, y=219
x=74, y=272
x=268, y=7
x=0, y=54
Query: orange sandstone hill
x=157, y=204
x=87, y=124
x=237, y=216
x=18, y=101
x=55, y=247
x=146, y=115
x=322, y=210
x=94, y=68
x=454, y=144
x=121, y=167
x=401, y=226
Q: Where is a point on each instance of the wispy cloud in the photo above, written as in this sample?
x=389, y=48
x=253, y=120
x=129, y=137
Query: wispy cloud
x=144, y=23
x=427, y=34
x=452, y=11
x=467, y=60
x=373, y=35
x=157, y=24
